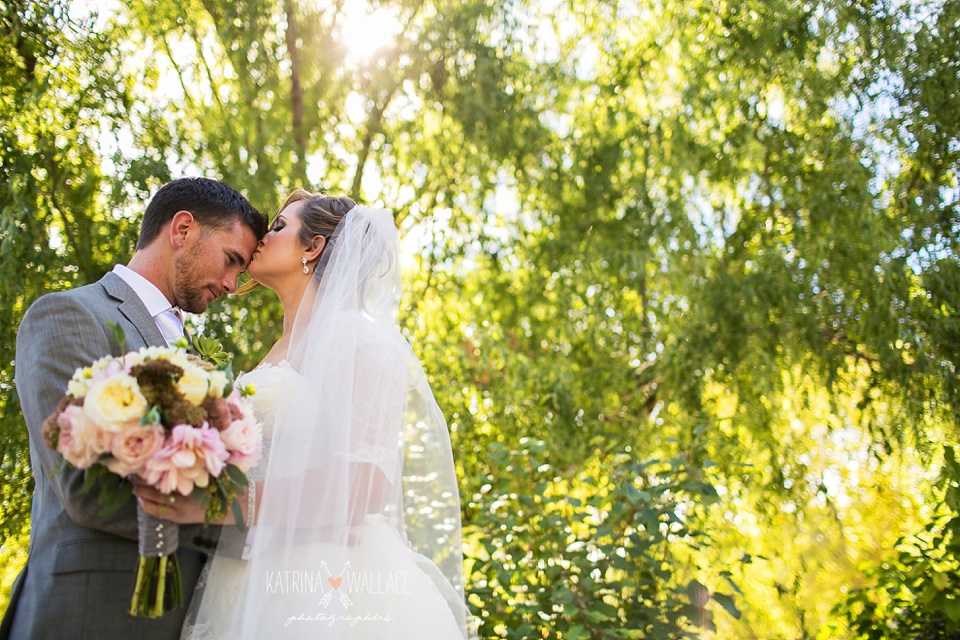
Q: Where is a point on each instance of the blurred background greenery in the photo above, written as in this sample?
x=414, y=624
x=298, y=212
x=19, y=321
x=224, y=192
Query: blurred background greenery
x=684, y=273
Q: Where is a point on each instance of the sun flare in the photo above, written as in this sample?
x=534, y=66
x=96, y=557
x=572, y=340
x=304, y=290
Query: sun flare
x=365, y=31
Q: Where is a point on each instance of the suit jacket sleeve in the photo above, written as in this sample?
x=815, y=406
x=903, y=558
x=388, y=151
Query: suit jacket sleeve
x=58, y=335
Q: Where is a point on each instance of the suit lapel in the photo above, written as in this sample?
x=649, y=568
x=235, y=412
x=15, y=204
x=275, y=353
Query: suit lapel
x=133, y=309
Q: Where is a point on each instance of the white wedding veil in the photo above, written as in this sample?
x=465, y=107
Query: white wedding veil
x=359, y=482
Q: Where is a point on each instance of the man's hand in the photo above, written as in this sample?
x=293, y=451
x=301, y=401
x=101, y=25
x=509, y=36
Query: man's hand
x=171, y=507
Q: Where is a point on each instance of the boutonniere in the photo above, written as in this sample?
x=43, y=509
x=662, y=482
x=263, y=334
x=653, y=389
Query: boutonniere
x=211, y=350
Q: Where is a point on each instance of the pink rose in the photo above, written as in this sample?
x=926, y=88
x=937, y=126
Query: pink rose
x=235, y=403
x=244, y=442
x=79, y=437
x=132, y=447
x=188, y=459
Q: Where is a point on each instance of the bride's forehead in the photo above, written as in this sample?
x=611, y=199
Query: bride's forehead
x=292, y=210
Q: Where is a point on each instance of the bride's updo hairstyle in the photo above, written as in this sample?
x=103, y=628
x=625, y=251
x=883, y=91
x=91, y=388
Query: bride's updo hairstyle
x=319, y=216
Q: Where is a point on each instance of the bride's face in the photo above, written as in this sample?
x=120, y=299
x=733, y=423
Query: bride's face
x=279, y=254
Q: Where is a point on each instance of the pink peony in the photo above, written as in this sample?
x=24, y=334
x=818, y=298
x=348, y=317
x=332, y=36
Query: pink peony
x=80, y=441
x=132, y=447
x=188, y=459
x=244, y=442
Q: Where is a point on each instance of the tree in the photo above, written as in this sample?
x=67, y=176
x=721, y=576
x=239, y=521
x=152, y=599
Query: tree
x=677, y=268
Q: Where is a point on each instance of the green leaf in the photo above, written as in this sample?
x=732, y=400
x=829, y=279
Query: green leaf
x=238, y=516
x=726, y=575
x=563, y=596
x=576, y=632
x=228, y=388
x=940, y=580
x=634, y=495
x=109, y=481
x=236, y=475
x=952, y=609
x=119, y=336
x=727, y=602
x=152, y=416
x=91, y=475
x=119, y=497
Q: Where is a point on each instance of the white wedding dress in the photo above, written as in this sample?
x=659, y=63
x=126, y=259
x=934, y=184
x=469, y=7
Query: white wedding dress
x=375, y=587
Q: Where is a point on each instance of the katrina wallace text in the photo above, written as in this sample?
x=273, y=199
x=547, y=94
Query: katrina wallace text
x=356, y=582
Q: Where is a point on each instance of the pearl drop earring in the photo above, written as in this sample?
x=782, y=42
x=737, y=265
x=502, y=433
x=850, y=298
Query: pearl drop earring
x=306, y=269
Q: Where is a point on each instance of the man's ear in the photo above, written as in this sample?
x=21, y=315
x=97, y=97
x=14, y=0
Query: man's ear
x=182, y=223
x=316, y=248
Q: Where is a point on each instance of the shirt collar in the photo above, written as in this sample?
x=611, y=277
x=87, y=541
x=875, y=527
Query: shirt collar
x=155, y=302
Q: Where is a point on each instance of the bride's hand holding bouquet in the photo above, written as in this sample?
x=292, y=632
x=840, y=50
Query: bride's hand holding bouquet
x=178, y=428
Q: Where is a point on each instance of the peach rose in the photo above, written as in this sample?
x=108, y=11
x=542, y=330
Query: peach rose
x=78, y=440
x=133, y=446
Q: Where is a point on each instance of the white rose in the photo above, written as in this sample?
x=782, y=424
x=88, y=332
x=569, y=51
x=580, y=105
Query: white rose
x=79, y=384
x=77, y=388
x=178, y=358
x=152, y=353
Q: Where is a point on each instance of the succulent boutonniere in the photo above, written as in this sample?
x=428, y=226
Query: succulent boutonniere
x=211, y=350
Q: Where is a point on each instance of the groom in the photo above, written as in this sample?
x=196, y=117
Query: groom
x=196, y=237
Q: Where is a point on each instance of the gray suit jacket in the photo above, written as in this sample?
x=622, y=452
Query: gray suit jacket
x=80, y=571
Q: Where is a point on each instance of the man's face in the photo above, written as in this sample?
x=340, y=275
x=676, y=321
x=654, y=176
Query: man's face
x=209, y=263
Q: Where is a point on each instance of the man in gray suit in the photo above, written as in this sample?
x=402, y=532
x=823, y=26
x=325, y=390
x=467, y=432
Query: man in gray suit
x=196, y=237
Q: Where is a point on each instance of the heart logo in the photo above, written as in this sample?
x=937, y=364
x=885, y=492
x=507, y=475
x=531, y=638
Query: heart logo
x=335, y=582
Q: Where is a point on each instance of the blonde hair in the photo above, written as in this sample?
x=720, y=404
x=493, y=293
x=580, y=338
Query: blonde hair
x=320, y=216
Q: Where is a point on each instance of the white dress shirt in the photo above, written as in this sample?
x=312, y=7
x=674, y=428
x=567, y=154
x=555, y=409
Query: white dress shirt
x=168, y=318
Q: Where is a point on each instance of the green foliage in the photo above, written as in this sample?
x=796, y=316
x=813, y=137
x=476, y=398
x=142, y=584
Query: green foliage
x=114, y=491
x=61, y=220
x=590, y=553
x=916, y=594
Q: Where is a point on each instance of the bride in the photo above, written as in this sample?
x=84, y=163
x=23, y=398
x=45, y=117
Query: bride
x=354, y=511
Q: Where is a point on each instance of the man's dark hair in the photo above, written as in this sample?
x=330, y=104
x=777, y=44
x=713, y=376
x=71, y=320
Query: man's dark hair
x=213, y=204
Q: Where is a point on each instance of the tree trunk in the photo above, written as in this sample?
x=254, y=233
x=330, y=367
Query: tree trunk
x=296, y=96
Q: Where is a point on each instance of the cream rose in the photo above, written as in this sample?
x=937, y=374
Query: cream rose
x=114, y=403
x=218, y=383
x=193, y=383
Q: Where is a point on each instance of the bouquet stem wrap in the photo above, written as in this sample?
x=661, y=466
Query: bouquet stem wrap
x=158, y=587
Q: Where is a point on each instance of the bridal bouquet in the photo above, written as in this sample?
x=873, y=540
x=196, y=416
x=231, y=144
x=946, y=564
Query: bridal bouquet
x=176, y=422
